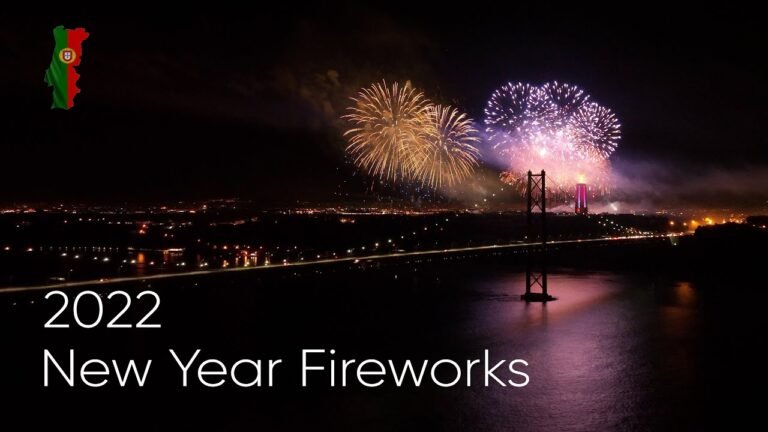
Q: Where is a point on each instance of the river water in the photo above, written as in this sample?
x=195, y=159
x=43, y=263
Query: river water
x=615, y=351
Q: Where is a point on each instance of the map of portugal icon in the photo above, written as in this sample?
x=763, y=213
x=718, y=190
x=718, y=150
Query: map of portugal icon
x=61, y=74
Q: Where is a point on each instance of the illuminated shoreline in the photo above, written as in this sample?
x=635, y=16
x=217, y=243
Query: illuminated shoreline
x=353, y=260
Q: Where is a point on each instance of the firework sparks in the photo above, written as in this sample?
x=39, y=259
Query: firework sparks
x=398, y=135
x=555, y=127
x=599, y=126
x=519, y=108
x=386, y=121
x=567, y=98
x=451, y=154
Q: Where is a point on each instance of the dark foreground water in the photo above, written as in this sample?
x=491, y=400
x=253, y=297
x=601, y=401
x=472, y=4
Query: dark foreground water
x=616, y=351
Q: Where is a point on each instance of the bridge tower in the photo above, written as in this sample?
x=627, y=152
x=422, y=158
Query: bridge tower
x=536, y=269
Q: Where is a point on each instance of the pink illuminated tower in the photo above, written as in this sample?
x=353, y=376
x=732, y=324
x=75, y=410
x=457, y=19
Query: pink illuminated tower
x=581, y=198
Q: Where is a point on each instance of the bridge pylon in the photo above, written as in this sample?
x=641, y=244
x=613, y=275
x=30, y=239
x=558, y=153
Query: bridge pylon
x=536, y=268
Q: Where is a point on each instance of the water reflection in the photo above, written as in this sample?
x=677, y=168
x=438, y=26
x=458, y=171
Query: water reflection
x=593, y=360
x=614, y=352
x=141, y=264
x=684, y=293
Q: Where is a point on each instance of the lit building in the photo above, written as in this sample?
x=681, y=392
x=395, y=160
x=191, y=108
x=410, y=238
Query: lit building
x=581, y=198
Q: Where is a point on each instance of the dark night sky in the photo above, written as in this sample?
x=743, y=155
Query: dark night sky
x=181, y=107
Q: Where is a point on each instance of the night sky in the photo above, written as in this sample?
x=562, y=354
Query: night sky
x=246, y=104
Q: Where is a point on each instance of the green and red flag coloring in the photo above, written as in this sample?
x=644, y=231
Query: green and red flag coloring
x=61, y=74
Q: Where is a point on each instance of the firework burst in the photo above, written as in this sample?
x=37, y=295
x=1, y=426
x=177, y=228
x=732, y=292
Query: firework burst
x=555, y=127
x=450, y=154
x=599, y=128
x=386, y=126
x=519, y=108
x=566, y=97
x=398, y=135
